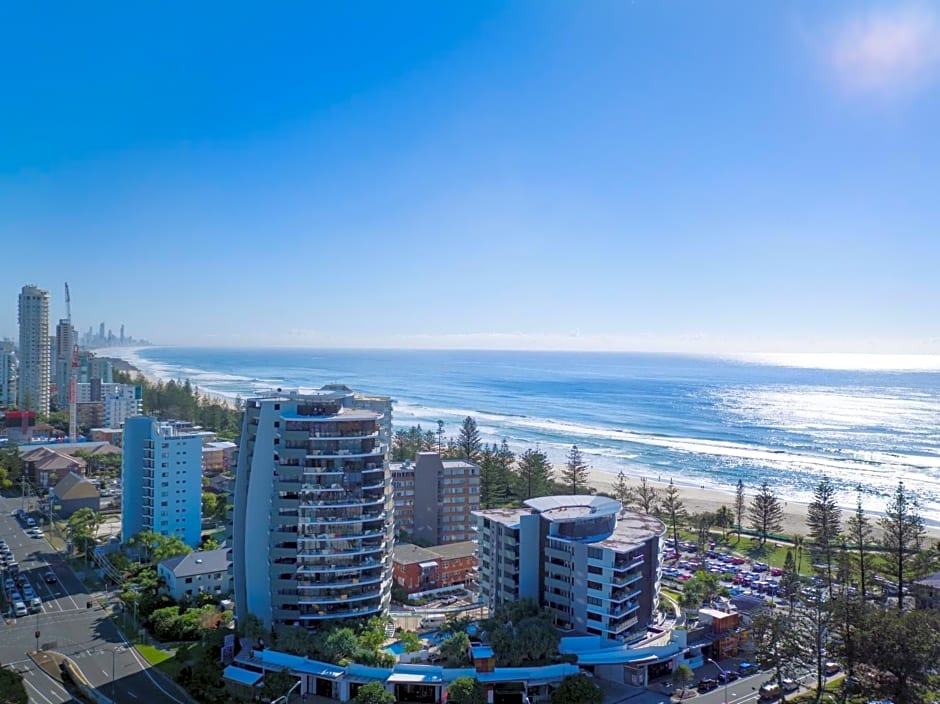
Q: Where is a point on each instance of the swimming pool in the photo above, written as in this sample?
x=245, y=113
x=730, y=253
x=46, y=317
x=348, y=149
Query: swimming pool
x=432, y=637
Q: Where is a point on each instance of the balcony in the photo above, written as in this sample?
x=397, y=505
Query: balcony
x=339, y=612
x=619, y=627
x=621, y=565
x=329, y=520
x=340, y=597
x=343, y=454
x=321, y=551
x=343, y=502
x=339, y=582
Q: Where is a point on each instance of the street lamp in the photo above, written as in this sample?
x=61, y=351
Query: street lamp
x=724, y=676
x=113, y=658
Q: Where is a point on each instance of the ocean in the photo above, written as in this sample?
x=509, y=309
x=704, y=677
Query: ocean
x=700, y=421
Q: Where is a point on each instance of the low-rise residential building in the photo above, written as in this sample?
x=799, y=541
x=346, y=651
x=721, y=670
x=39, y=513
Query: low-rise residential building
x=201, y=572
x=114, y=436
x=420, y=569
x=218, y=456
x=593, y=566
x=927, y=591
x=72, y=493
x=435, y=498
x=45, y=467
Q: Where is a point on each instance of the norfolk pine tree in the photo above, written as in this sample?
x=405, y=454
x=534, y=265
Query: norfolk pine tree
x=575, y=473
x=468, y=440
x=645, y=497
x=672, y=509
x=622, y=490
x=903, y=536
x=860, y=534
x=535, y=474
x=765, y=512
x=740, y=506
x=824, y=521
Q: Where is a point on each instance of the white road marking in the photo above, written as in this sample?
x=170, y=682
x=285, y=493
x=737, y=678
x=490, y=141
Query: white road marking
x=36, y=690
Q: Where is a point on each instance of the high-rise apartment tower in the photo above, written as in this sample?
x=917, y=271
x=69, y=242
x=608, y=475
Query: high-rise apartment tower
x=313, y=522
x=35, y=361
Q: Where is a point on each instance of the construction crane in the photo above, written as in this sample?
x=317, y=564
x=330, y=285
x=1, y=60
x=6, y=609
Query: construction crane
x=73, y=373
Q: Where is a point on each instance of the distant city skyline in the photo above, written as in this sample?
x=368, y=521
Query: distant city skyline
x=649, y=176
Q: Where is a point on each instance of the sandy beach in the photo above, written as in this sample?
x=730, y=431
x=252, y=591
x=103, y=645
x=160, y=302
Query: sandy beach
x=700, y=500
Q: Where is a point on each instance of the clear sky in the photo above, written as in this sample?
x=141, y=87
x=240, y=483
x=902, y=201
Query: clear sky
x=651, y=175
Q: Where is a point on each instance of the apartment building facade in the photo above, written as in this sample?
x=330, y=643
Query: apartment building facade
x=118, y=401
x=313, y=519
x=595, y=567
x=9, y=374
x=420, y=569
x=435, y=499
x=35, y=351
x=161, y=479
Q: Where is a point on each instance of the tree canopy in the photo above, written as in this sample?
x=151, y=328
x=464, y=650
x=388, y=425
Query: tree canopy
x=466, y=690
x=374, y=693
x=578, y=689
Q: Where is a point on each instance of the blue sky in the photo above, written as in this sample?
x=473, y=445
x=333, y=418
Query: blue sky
x=676, y=176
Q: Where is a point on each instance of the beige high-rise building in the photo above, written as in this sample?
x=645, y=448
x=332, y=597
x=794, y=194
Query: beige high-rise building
x=34, y=353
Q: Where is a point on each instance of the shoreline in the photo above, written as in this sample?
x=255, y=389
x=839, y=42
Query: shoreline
x=697, y=499
x=705, y=499
x=130, y=368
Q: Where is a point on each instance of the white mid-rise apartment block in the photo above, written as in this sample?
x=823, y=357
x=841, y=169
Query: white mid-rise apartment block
x=119, y=401
x=34, y=352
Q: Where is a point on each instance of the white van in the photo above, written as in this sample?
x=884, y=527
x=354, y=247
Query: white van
x=19, y=609
x=433, y=621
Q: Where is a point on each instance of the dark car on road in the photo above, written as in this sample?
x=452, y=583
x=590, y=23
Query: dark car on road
x=707, y=685
x=50, y=577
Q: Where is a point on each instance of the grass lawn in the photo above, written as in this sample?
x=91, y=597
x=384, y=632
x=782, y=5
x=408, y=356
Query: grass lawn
x=163, y=660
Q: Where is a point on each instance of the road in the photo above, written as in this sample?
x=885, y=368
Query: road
x=68, y=626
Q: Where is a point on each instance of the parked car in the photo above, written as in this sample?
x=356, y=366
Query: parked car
x=831, y=668
x=790, y=684
x=50, y=577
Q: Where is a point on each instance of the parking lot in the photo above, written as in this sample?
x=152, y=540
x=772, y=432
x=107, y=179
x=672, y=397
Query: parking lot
x=740, y=575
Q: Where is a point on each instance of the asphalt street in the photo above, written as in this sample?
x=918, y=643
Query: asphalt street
x=66, y=625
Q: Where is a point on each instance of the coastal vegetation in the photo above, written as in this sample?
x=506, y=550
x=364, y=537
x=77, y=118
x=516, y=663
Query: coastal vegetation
x=847, y=595
x=180, y=400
